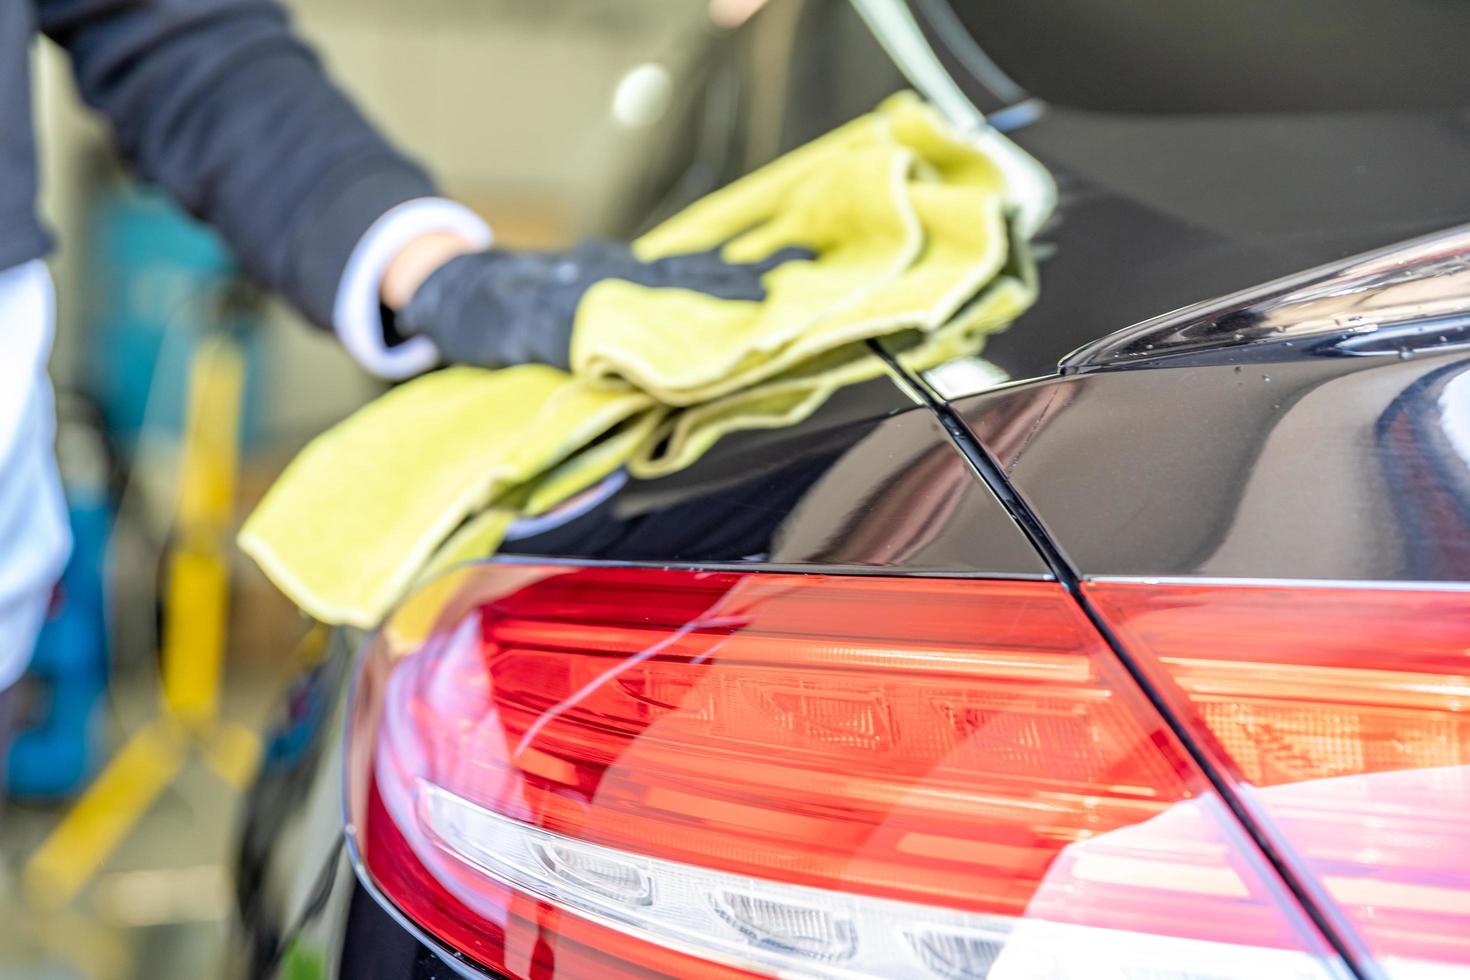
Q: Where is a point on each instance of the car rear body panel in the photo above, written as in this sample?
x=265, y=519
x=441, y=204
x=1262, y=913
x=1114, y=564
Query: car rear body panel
x=1314, y=428
x=1271, y=463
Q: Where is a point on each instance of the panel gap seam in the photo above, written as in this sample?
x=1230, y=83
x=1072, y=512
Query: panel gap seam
x=1358, y=962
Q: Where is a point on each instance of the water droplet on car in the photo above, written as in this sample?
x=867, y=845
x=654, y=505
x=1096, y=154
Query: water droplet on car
x=1266, y=378
x=1240, y=336
x=1405, y=353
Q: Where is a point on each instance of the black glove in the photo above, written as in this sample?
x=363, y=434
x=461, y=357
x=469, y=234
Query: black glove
x=497, y=308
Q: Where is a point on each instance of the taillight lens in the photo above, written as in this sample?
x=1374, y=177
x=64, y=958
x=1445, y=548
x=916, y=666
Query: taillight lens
x=636, y=772
x=1344, y=716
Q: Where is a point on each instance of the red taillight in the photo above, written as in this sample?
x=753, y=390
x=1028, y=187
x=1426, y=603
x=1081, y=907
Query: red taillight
x=650, y=772
x=1344, y=716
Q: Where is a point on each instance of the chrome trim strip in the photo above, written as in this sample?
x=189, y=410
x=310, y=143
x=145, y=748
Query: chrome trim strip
x=757, y=565
x=971, y=56
x=1401, y=284
x=893, y=24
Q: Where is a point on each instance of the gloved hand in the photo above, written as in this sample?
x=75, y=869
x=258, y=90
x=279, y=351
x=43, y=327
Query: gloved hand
x=496, y=308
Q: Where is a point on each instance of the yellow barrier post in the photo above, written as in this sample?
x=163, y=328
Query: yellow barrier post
x=196, y=617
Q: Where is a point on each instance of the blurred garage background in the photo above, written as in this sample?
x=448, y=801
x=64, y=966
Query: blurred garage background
x=553, y=118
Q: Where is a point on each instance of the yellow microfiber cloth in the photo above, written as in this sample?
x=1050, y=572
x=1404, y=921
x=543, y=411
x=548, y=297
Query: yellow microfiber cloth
x=918, y=234
x=908, y=222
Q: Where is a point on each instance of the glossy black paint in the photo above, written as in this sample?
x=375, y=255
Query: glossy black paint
x=1248, y=55
x=1315, y=428
x=1280, y=464
x=870, y=483
x=1159, y=212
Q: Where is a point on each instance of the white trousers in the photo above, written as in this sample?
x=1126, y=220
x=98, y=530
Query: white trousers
x=34, y=537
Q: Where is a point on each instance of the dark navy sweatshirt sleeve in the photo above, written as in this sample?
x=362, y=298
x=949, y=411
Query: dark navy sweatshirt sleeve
x=220, y=103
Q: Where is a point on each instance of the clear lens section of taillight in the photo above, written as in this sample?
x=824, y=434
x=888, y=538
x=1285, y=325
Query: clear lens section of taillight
x=1344, y=716
x=639, y=772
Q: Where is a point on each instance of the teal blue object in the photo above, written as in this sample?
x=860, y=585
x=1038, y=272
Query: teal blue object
x=59, y=751
x=159, y=281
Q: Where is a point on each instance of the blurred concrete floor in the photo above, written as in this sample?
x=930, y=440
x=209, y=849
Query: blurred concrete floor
x=158, y=908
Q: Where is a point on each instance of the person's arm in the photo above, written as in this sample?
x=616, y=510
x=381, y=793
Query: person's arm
x=221, y=104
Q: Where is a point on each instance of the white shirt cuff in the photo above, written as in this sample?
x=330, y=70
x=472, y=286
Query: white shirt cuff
x=356, y=313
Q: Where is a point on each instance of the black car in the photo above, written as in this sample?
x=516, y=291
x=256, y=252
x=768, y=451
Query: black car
x=1126, y=651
